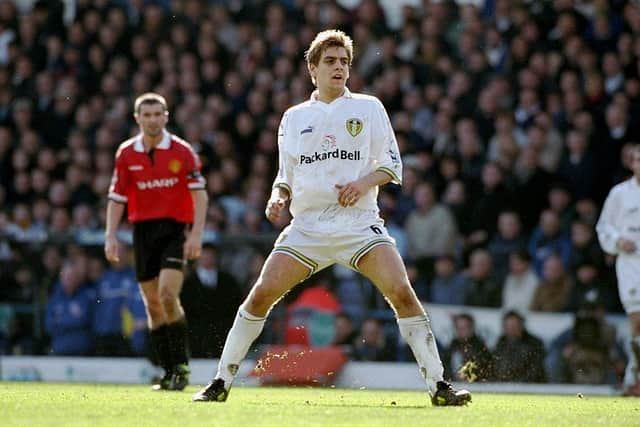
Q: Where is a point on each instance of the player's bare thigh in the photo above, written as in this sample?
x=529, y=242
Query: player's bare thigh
x=384, y=267
x=279, y=274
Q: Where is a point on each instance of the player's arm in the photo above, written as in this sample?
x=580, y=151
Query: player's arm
x=349, y=194
x=114, y=216
x=277, y=202
x=607, y=227
x=384, y=146
x=281, y=189
x=197, y=186
x=193, y=244
x=115, y=208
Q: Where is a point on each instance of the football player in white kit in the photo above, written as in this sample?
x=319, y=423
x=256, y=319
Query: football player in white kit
x=619, y=234
x=335, y=150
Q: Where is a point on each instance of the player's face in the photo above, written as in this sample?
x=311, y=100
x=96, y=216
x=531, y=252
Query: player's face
x=152, y=118
x=635, y=164
x=332, y=71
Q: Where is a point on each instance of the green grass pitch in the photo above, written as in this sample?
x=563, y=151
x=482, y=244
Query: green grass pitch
x=38, y=404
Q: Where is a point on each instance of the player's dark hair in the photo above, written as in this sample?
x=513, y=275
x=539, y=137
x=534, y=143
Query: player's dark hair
x=148, y=99
x=465, y=316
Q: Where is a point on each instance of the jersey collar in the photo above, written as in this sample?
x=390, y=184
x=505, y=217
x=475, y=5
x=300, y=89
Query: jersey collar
x=345, y=94
x=165, y=143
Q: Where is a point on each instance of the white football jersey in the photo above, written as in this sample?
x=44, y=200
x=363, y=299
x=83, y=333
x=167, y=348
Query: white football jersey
x=321, y=145
x=620, y=216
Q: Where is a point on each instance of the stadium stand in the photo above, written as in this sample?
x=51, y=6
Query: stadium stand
x=499, y=106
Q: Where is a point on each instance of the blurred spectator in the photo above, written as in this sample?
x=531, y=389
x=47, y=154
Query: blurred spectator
x=481, y=288
x=554, y=292
x=449, y=286
x=617, y=132
x=518, y=355
x=346, y=334
x=533, y=181
x=70, y=313
x=431, y=229
x=387, y=205
x=468, y=357
x=590, y=286
x=577, y=353
x=577, y=169
x=584, y=245
x=586, y=355
x=311, y=315
x=507, y=240
x=210, y=297
x=493, y=198
x=547, y=239
x=521, y=283
x=372, y=344
x=455, y=198
x=113, y=291
x=559, y=201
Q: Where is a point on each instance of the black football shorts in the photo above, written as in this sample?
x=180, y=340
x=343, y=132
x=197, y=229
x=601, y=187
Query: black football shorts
x=158, y=244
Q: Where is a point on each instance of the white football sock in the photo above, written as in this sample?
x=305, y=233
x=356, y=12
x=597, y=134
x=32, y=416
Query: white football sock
x=631, y=376
x=417, y=332
x=246, y=328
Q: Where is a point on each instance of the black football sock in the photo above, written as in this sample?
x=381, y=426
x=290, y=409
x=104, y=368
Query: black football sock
x=160, y=345
x=177, y=332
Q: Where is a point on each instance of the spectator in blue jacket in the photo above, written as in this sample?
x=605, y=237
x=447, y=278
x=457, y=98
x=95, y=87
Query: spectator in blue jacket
x=138, y=333
x=113, y=291
x=449, y=285
x=548, y=238
x=70, y=313
x=507, y=240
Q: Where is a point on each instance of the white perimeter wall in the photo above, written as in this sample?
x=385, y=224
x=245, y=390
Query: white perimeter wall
x=355, y=375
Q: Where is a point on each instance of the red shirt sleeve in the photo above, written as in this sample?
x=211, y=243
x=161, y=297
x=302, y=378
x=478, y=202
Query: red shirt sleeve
x=119, y=180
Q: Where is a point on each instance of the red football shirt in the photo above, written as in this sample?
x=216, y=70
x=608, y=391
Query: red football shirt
x=156, y=185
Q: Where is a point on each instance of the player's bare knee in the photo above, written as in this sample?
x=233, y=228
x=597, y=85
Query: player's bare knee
x=166, y=295
x=260, y=299
x=155, y=311
x=169, y=302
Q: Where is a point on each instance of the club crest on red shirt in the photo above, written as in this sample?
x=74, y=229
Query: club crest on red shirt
x=175, y=165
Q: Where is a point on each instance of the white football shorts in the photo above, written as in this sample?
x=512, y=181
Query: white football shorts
x=318, y=251
x=628, y=272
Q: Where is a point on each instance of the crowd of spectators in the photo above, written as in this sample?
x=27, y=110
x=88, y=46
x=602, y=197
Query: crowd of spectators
x=514, y=119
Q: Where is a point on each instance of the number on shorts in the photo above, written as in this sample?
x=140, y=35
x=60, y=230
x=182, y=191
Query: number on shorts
x=376, y=229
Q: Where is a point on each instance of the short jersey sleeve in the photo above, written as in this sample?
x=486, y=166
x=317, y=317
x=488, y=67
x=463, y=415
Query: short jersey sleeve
x=285, y=160
x=118, y=189
x=384, y=146
x=195, y=180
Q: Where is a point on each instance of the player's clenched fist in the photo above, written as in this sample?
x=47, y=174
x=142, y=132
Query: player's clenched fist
x=274, y=208
x=349, y=194
x=111, y=249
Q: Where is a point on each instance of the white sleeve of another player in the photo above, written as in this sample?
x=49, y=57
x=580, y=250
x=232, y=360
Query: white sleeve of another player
x=607, y=226
x=285, y=161
x=384, y=146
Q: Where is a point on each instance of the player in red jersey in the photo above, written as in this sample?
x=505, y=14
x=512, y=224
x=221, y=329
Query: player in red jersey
x=158, y=176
